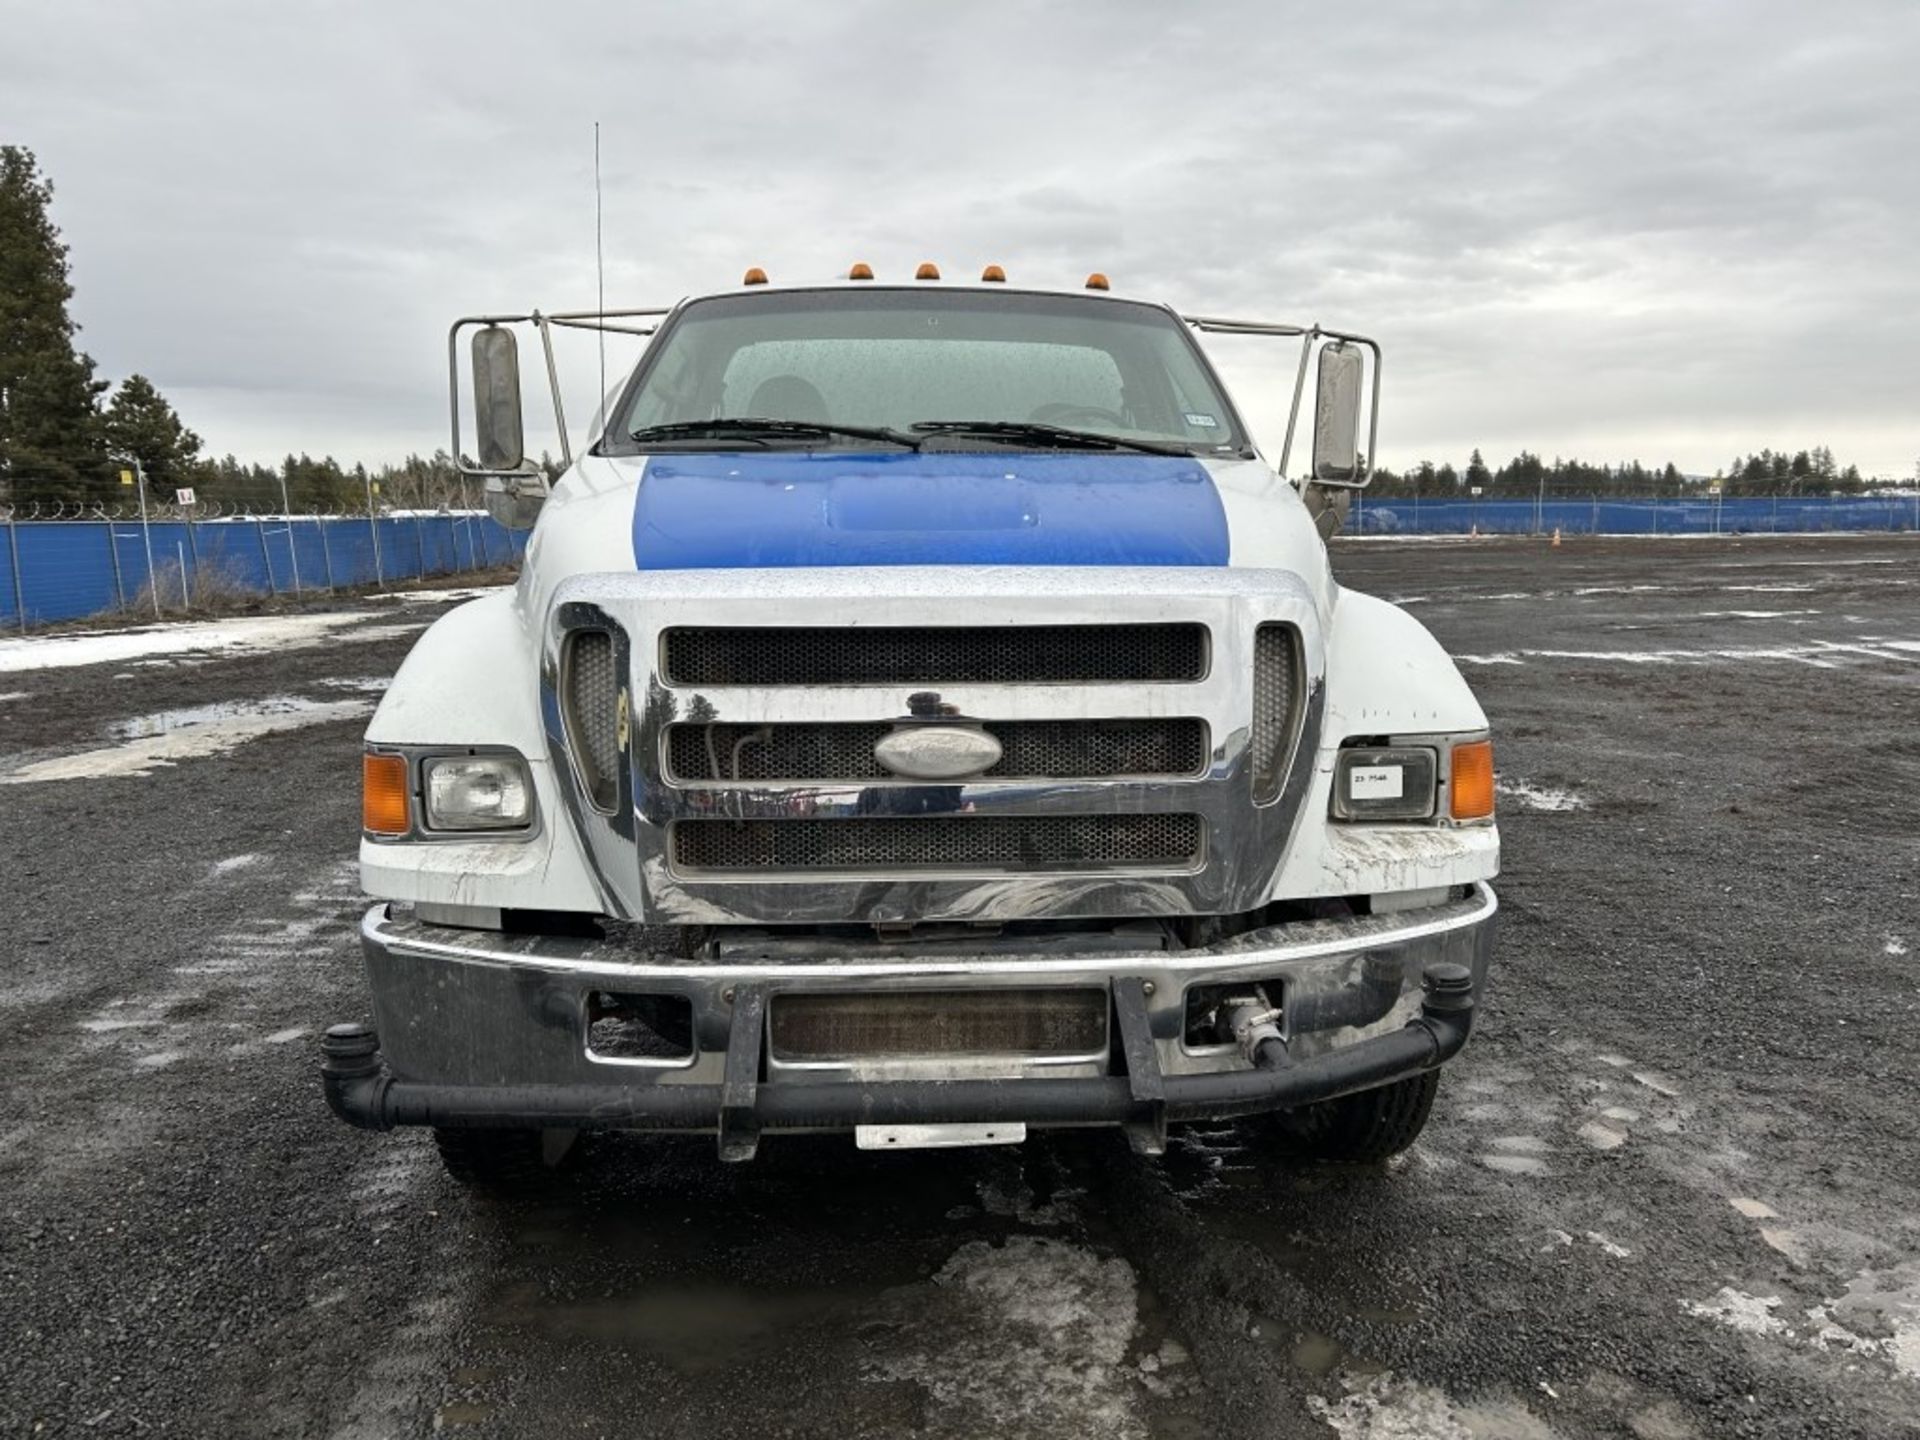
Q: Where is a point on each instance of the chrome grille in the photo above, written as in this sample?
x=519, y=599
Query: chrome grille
x=1276, y=690
x=592, y=690
x=1030, y=749
x=936, y=655
x=1051, y=842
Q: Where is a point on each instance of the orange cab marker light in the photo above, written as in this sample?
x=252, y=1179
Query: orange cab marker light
x=755, y=276
x=860, y=271
x=1097, y=281
x=927, y=271
x=1472, y=784
x=994, y=272
x=383, y=794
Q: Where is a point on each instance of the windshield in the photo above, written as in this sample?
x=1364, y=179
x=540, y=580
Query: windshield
x=890, y=360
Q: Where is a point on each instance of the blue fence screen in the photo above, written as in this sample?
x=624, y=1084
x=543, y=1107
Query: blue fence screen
x=53, y=570
x=1603, y=515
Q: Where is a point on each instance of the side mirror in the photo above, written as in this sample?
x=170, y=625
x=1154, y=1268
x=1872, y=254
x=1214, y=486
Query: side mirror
x=1336, y=416
x=496, y=401
x=515, y=500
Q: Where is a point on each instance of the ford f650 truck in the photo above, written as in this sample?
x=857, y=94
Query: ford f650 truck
x=922, y=713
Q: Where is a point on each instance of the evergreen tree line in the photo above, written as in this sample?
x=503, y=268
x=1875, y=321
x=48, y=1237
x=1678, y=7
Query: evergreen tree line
x=64, y=442
x=1769, y=472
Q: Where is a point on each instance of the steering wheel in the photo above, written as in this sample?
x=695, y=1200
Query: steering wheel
x=1058, y=414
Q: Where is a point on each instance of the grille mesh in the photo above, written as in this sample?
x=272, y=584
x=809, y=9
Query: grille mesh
x=921, y=1024
x=1045, y=842
x=1031, y=749
x=1275, y=702
x=936, y=655
x=592, y=690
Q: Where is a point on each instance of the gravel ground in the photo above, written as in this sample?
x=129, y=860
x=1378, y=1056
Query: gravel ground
x=1671, y=1190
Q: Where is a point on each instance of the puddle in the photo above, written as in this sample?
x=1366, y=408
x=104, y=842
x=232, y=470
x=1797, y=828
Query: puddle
x=165, y=722
x=694, y=1329
x=360, y=684
x=170, y=736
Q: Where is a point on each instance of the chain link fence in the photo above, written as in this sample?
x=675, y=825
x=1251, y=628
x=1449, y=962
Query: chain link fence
x=72, y=560
x=1632, y=515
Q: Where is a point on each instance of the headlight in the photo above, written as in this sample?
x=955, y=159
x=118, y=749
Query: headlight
x=477, y=792
x=1385, y=783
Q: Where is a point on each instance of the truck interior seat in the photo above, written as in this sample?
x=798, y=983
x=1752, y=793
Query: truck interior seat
x=788, y=397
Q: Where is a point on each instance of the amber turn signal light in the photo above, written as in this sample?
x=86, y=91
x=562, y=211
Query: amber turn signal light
x=1471, y=783
x=383, y=794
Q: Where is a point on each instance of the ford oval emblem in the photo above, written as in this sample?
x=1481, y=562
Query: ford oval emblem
x=937, y=752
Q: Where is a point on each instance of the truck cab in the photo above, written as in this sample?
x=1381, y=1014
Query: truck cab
x=923, y=713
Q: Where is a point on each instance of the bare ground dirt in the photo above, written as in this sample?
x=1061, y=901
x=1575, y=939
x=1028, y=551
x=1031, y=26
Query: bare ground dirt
x=1671, y=1190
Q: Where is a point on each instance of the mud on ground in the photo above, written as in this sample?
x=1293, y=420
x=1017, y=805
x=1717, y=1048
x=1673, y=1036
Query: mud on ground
x=1669, y=1191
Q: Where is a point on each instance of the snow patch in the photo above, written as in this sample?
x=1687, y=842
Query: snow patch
x=1038, y=1345
x=1387, y=1408
x=1607, y=1247
x=211, y=731
x=1755, y=1209
x=1895, y=947
x=1750, y=1314
x=1752, y=614
x=470, y=592
x=233, y=863
x=13, y=695
x=1539, y=797
x=1504, y=658
x=250, y=636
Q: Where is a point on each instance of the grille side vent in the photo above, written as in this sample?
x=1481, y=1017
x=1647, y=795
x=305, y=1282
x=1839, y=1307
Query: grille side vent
x=590, y=683
x=937, y=655
x=1276, y=707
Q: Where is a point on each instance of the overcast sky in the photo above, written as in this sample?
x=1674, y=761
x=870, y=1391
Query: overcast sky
x=1658, y=230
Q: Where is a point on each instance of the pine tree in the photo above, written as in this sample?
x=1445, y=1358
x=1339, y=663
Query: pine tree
x=51, y=441
x=141, y=425
x=1477, y=472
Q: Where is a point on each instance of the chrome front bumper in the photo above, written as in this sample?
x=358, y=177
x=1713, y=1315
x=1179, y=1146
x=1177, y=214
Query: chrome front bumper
x=482, y=1028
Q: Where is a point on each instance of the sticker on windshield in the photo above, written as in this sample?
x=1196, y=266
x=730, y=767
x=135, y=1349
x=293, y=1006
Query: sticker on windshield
x=1202, y=422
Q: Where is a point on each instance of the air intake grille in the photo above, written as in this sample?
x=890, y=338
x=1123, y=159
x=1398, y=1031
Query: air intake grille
x=926, y=1025
x=1276, y=703
x=1048, y=842
x=1031, y=749
x=936, y=655
x=592, y=689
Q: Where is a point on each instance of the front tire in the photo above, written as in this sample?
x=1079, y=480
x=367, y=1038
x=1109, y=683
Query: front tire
x=503, y=1161
x=1366, y=1127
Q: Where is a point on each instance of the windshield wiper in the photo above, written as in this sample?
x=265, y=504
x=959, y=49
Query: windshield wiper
x=1061, y=436
x=758, y=431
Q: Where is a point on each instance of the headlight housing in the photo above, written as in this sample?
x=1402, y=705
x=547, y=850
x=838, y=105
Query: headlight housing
x=475, y=792
x=1445, y=779
x=1389, y=782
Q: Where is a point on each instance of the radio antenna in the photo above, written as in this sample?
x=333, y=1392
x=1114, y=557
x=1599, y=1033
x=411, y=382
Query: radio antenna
x=599, y=260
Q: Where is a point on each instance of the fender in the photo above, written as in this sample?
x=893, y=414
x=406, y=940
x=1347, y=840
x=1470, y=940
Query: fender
x=472, y=679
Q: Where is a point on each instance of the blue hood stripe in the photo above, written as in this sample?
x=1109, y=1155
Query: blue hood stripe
x=781, y=510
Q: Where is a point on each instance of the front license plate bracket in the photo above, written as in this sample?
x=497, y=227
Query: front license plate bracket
x=938, y=1137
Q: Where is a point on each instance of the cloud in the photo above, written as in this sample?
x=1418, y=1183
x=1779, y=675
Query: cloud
x=1655, y=230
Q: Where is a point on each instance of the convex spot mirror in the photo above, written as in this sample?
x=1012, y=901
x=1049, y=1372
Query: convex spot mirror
x=1337, y=407
x=515, y=500
x=497, y=420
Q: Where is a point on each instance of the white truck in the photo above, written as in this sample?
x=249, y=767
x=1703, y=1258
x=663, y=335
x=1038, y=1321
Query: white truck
x=922, y=713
